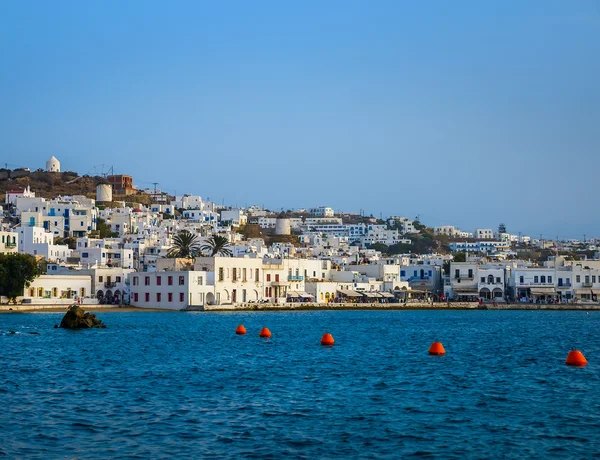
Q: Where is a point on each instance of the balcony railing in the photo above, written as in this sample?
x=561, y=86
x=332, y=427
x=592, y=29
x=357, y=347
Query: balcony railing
x=587, y=284
x=110, y=285
x=10, y=245
x=533, y=283
x=463, y=277
x=295, y=278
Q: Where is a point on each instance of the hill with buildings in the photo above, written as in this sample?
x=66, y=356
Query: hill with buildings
x=52, y=184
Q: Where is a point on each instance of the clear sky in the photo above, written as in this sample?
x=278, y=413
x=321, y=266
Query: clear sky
x=467, y=113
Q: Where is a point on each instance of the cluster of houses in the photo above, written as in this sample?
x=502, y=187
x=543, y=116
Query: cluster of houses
x=333, y=261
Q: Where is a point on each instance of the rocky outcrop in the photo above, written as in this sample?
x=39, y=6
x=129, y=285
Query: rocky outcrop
x=76, y=318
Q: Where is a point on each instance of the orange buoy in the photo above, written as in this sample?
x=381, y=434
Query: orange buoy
x=241, y=330
x=437, y=348
x=327, y=340
x=576, y=358
x=264, y=332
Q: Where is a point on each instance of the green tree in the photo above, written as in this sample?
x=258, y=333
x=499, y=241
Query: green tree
x=460, y=257
x=185, y=245
x=217, y=246
x=103, y=229
x=17, y=271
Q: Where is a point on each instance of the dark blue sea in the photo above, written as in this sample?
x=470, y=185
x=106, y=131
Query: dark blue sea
x=183, y=385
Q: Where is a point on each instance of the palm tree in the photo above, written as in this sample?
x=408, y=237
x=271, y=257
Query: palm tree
x=217, y=245
x=185, y=245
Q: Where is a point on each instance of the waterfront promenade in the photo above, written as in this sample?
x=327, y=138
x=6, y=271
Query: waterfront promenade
x=311, y=306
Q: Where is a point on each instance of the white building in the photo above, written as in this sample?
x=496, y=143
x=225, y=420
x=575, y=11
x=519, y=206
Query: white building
x=37, y=241
x=57, y=289
x=321, y=211
x=12, y=195
x=52, y=165
x=8, y=242
x=447, y=230
x=484, y=233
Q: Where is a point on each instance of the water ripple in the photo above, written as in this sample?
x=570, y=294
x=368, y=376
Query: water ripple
x=157, y=385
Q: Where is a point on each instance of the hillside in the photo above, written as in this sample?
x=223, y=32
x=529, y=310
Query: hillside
x=52, y=184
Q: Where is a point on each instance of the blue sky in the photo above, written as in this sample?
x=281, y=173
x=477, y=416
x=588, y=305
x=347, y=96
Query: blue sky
x=467, y=113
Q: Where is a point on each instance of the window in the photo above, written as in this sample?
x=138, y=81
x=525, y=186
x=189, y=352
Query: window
x=181, y=297
x=147, y=281
x=560, y=281
x=221, y=274
x=521, y=279
x=100, y=279
x=158, y=280
x=593, y=278
x=181, y=280
x=402, y=273
x=577, y=279
x=147, y=296
x=470, y=273
x=268, y=277
x=568, y=281
x=170, y=297
x=118, y=279
x=457, y=273
x=483, y=279
x=170, y=280
x=158, y=296
x=85, y=255
x=234, y=274
x=549, y=279
x=135, y=297
x=536, y=279
x=498, y=279
x=135, y=280
x=276, y=278
x=542, y=279
x=244, y=275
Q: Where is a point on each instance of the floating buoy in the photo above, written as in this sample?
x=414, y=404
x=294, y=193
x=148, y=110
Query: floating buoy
x=241, y=330
x=327, y=340
x=576, y=358
x=437, y=348
x=264, y=332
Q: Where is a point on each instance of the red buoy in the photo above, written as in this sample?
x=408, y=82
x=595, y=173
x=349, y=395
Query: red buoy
x=437, y=348
x=576, y=358
x=327, y=340
x=241, y=330
x=264, y=332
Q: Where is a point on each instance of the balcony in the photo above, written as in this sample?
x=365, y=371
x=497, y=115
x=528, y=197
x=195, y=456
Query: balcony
x=295, y=278
x=587, y=284
x=10, y=245
x=533, y=283
x=462, y=276
x=110, y=285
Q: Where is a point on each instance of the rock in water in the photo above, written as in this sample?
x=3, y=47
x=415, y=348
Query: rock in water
x=76, y=318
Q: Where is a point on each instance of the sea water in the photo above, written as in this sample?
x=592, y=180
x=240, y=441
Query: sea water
x=183, y=385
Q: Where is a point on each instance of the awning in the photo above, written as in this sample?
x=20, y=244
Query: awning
x=421, y=288
x=305, y=294
x=370, y=294
x=349, y=293
x=389, y=295
x=587, y=291
x=543, y=291
x=293, y=294
x=467, y=291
